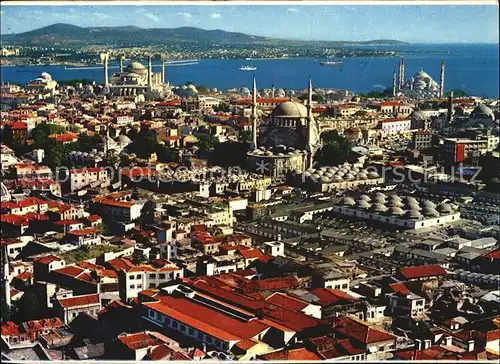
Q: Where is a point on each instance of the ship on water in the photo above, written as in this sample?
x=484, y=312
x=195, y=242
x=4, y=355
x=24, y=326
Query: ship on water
x=331, y=63
x=247, y=68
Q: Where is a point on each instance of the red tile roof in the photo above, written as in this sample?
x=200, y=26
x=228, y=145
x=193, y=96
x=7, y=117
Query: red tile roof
x=139, y=340
x=284, y=300
x=291, y=354
x=360, y=331
x=494, y=254
x=270, y=284
x=82, y=232
x=77, y=301
x=48, y=259
x=207, y=320
x=423, y=271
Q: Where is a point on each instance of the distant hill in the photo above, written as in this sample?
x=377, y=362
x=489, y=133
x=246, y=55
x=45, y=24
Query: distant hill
x=70, y=34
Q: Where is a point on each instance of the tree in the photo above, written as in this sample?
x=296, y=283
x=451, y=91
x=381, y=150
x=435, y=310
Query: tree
x=28, y=307
x=336, y=149
x=246, y=136
x=40, y=134
x=206, y=143
x=456, y=93
x=88, y=142
x=166, y=154
x=143, y=144
x=229, y=154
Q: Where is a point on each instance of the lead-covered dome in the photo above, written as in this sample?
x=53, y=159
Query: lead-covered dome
x=482, y=112
x=290, y=109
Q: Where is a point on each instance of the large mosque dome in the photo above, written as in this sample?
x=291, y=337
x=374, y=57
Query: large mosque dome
x=290, y=109
x=136, y=67
x=421, y=84
x=482, y=112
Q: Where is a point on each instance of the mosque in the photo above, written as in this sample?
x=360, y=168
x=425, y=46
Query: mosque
x=420, y=85
x=288, y=138
x=44, y=85
x=136, y=79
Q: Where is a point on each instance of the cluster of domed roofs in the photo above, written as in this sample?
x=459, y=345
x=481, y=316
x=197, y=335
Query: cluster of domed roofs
x=277, y=151
x=342, y=173
x=406, y=207
x=421, y=84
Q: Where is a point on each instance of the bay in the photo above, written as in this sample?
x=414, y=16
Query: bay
x=473, y=68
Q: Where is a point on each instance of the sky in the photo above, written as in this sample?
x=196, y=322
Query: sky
x=415, y=24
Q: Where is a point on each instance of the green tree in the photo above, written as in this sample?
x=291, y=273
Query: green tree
x=143, y=144
x=88, y=142
x=40, y=134
x=456, y=93
x=28, y=307
x=206, y=143
x=229, y=154
x=246, y=136
x=336, y=149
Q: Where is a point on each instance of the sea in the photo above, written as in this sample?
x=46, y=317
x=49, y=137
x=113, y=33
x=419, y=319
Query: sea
x=473, y=68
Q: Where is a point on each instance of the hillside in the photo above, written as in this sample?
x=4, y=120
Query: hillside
x=70, y=34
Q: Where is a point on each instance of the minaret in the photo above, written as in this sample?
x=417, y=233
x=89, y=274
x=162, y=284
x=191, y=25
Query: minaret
x=273, y=92
x=6, y=279
x=402, y=73
x=163, y=59
x=450, y=107
x=310, y=146
x=441, y=83
x=121, y=63
x=254, y=115
x=150, y=73
x=394, y=83
x=105, y=59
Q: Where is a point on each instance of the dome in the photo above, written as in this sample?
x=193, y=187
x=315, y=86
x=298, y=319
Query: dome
x=373, y=175
x=431, y=212
x=429, y=204
x=268, y=153
x=363, y=204
x=413, y=214
x=361, y=175
x=482, y=112
x=350, y=176
x=418, y=115
x=290, y=109
x=365, y=197
x=444, y=208
x=380, y=198
x=348, y=201
x=325, y=179
x=396, y=210
x=422, y=75
x=395, y=203
x=136, y=67
x=123, y=139
x=337, y=178
x=4, y=192
x=46, y=76
x=379, y=207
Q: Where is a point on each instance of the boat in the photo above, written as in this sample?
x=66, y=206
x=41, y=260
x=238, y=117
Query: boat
x=247, y=68
x=331, y=63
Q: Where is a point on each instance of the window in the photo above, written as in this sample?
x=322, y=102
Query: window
x=344, y=286
x=132, y=286
x=132, y=277
x=175, y=324
x=200, y=335
x=139, y=276
x=152, y=314
x=162, y=275
x=183, y=328
x=152, y=285
x=191, y=331
x=152, y=275
x=209, y=339
x=139, y=286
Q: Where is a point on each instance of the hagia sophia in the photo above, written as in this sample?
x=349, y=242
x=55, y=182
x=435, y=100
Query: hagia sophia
x=287, y=140
x=135, y=79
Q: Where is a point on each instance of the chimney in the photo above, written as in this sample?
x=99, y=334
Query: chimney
x=470, y=345
x=278, y=237
x=418, y=344
x=427, y=344
x=448, y=341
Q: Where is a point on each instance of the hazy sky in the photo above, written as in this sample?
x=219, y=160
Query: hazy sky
x=417, y=24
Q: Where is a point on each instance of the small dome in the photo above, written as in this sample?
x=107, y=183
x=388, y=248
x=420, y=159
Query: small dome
x=429, y=204
x=315, y=176
x=349, y=177
x=365, y=197
x=482, y=112
x=431, y=212
x=268, y=153
x=363, y=204
x=123, y=139
x=396, y=211
x=361, y=175
x=348, y=201
x=373, y=175
x=413, y=214
x=444, y=208
x=378, y=207
x=325, y=179
x=337, y=178
x=418, y=115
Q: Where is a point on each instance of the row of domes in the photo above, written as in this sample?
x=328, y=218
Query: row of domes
x=408, y=206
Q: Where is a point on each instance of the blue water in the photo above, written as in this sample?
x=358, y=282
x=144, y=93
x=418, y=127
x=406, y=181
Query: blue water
x=471, y=67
